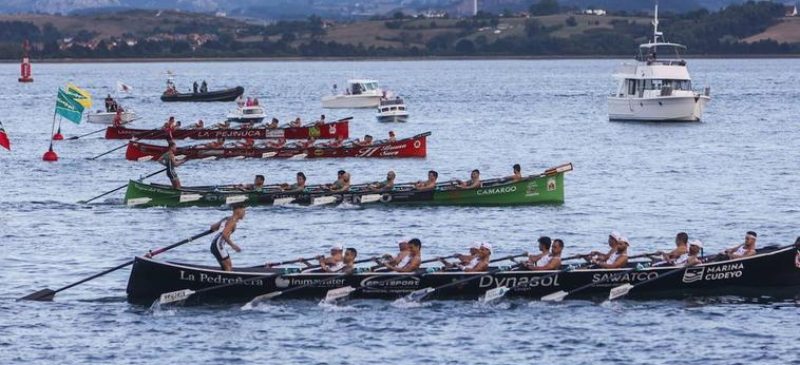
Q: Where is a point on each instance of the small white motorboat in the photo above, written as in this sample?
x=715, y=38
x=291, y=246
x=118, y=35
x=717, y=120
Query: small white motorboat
x=359, y=94
x=247, y=114
x=104, y=117
x=658, y=86
x=392, y=110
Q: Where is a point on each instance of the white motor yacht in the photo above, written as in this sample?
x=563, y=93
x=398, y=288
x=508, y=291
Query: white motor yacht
x=392, y=110
x=359, y=94
x=658, y=86
x=104, y=117
x=247, y=114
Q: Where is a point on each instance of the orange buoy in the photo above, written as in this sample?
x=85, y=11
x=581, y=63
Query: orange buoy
x=58, y=136
x=50, y=155
x=25, y=67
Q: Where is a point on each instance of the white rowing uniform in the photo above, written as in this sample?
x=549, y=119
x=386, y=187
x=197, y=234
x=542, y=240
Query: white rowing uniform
x=218, y=244
x=612, y=258
x=336, y=267
x=740, y=251
x=544, y=260
x=472, y=263
x=404, y=261
x=682, y=259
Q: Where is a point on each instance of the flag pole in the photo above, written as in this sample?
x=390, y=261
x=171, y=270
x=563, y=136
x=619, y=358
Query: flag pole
x=51, y=155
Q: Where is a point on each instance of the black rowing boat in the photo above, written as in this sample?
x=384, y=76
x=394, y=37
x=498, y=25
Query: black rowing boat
x=773, y=271
x=219, y=95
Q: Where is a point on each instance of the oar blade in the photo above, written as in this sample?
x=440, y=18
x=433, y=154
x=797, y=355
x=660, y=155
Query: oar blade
x=268, y=154
x=144, y=158
x=335, y=294
x=262, y=298
x=299, y=156
x=619, y=291
x=44, y=295
x=555, y=297
x=494, y=294
x=186, y=198
x=234, y=199
x=283, y=201
x=370, y=198
x=323, y=200
x=175, y=296
x=419, y=295
x=137, y=201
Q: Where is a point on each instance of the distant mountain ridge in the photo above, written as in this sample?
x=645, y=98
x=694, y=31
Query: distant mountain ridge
x=330, y=8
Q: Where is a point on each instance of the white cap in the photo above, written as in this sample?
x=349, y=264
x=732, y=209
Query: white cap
x=337, y=247
x=487, y=246
x=697, y=243
x=624, y=239
x=616, y=235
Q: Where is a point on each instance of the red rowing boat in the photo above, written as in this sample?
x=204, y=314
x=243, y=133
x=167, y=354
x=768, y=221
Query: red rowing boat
x=331, y=130
x=415, y=146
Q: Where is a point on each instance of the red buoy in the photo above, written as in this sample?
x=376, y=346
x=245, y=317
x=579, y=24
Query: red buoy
x=25, y=67
x=50, y=155
x=58, y=136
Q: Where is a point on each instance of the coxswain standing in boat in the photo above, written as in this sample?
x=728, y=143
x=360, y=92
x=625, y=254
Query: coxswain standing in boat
x=517, y=175
x=429, y=184
x=474, y=181
x=170, y=162
x=618, y=259
x=748, y=248
x=414, y=258
x=228, y=225
x=300, y=185
x=681, y=249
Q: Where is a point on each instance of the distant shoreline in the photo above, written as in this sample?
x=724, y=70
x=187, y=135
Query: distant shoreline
x=367, y=59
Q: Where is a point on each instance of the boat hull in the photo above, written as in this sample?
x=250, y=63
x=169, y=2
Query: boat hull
x=350, y=101
x=392, y=118
x=219, y=95
x=410, y=147
x=541, y=189
x=325, y=131
x=108, y=118
x=772, y=272
x=661, y=109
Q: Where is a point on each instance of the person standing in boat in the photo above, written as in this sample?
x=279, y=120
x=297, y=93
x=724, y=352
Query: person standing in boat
x=194, y=87
x=204, y=87
x=681, y=249
x=517, y=175
x=748, y=248
x=385, y=185
x=299, y=186
x=228, y=225
x=414, y=258
x=170, y=162
x=618, y=259
x=429, y=184
x=474, y=181
x=108, y=102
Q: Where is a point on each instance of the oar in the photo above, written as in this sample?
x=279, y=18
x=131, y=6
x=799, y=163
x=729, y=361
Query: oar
x=497, y=293
x=560, y=295
x=273, y=264
x=48, y=294
x=345, y=291
x=121, y=187
x=87, y=134
x=420, y=294
x=126, y=144
x=624, y=289
x=181, y=295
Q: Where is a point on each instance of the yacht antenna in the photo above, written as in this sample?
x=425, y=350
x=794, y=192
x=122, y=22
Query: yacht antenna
x=656, y=33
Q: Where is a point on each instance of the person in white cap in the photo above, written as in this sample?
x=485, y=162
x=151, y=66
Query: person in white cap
x=414, y=257
x=402, y=257
x=465, y=260
x=332, y=263
x=748, y=248
x=617, y=259
x=484, y=253
x=613, y=238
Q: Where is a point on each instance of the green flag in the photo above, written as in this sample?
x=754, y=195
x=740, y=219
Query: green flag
x=68, y=107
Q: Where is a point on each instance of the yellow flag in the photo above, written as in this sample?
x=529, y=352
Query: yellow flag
x=83, y=97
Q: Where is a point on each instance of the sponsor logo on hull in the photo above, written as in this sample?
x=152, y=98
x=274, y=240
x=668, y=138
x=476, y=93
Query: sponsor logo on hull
x=521, y=283
x=711, y=273
x=217, y=279
x=500, y=190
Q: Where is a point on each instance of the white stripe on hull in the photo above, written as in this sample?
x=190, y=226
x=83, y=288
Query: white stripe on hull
x=681, y=108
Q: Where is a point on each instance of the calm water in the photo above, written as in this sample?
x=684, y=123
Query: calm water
x=736, y=171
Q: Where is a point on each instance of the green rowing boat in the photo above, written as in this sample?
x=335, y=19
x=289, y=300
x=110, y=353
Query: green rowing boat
x=544, y=188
